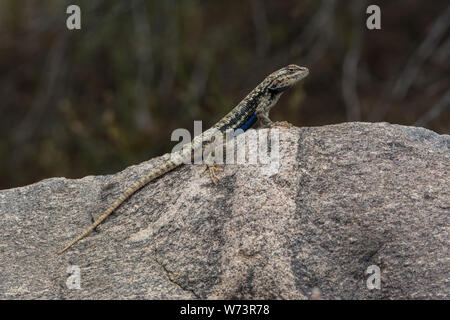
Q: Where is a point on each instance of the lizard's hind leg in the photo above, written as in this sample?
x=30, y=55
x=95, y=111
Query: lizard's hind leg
x=213, y=168
x=214, y=157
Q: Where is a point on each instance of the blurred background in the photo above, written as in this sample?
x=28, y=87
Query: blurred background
x=95, y=100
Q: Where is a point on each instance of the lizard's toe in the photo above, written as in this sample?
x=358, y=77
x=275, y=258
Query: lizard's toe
x=213, y=168
x=281, y=124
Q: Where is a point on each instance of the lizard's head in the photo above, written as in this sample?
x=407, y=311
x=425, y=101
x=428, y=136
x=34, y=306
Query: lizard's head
x=285, y=78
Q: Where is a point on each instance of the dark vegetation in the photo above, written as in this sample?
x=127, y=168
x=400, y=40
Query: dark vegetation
x=94, y=101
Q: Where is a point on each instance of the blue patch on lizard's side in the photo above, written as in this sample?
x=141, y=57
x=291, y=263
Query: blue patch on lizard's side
x=248, y=123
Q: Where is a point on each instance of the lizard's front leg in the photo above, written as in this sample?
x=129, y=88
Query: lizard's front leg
x=263, y=116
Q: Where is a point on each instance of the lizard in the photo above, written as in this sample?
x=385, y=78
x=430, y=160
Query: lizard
x=254, y=107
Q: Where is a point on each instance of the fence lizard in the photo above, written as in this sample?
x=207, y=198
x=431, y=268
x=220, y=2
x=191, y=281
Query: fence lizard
x=255, y=106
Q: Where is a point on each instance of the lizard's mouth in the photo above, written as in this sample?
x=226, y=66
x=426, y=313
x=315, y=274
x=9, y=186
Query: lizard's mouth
x=301, y=73
x=287, y=78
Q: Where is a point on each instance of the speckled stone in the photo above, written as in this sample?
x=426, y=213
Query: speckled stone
x=345, y=197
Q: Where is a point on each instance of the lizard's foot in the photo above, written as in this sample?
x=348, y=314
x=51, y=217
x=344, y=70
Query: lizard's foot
x=281, y=124
x=213, y=168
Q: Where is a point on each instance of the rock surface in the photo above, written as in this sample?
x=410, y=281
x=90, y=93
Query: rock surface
x=345, y=197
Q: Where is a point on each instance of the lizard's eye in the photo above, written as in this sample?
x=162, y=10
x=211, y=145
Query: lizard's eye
x=293, y=67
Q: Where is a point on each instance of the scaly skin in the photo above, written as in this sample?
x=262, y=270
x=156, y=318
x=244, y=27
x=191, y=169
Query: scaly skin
x=255, y=106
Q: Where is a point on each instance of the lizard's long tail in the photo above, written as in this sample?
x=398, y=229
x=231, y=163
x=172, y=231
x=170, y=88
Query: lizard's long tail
x=157, y=172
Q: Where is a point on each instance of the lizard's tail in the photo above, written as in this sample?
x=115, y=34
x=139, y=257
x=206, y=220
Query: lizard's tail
x=124, y=196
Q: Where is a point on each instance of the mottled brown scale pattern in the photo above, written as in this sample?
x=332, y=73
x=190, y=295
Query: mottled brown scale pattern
x=258, y=102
